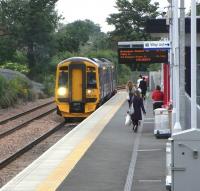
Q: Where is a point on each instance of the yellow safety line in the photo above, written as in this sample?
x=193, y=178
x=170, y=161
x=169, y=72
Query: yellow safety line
x=52, y=182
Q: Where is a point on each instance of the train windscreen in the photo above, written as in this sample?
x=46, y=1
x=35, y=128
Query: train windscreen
x=91, y=80
x=63, y=79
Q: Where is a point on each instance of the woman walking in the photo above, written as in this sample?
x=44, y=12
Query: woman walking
x=138, y=105
x=130, y=90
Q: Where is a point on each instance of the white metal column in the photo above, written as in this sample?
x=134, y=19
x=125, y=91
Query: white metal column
x=193, y=66
x=177, y=126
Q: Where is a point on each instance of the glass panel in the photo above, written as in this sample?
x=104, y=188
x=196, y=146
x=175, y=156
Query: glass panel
x=91, y=80
x=198, y=76
x=63, y=79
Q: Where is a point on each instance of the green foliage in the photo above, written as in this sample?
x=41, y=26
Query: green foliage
x=49, y=85
x=14, y=90
x=109, y=54
x=3, y=85
x=97, y=42
x=154, y=67
x=130, y=20
x=7, y=96
x=21, y=87
x=31, y=24
x=124, y=74
x=71, y=36
x=16, y=67
x=57, y=59
x=7, y=48
x=20, y=57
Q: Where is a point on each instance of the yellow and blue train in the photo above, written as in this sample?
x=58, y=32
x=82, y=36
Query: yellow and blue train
x=82, y=85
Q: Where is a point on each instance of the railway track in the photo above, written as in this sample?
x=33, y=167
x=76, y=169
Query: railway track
x=25, y=112
x=19, y=121
x=27, y=147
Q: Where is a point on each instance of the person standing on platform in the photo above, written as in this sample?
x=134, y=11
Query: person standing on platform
x=157, y=97
x=143, y=87
x=138, y=81
x=130, y=89
x=138, y=105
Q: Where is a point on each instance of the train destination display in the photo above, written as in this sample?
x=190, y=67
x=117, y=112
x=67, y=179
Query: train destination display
x=134, y=55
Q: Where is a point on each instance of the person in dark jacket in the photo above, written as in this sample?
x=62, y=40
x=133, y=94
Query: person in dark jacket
x=143, y=87
x=138, y=105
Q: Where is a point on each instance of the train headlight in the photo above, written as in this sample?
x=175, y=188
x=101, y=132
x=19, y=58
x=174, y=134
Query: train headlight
x=62, y=91
x=89, y=92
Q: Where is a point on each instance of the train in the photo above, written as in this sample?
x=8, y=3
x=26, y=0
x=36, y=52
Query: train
x=82, y=85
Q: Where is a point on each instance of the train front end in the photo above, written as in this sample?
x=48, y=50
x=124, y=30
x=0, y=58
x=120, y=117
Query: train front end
x=77, y=87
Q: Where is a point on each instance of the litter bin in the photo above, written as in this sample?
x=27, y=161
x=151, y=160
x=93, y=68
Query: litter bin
x=161, y=128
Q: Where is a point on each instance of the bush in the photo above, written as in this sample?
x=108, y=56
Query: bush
x=14, y=90
x=16, y=67
x=8, y=97
x=21, y=87
x=20, y=57
x=49, y=85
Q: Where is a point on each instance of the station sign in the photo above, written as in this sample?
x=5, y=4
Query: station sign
x=141, y=55
x=157, y=45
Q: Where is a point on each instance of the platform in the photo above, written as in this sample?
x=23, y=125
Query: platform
x=100, y=154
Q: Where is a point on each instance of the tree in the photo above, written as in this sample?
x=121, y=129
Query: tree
x=130, y=20
x=41, y=21
x=31, y=23
x=71, y=36
x=10, y=14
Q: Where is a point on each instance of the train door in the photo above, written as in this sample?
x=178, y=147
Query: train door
x=77, y=82
x=77, y=74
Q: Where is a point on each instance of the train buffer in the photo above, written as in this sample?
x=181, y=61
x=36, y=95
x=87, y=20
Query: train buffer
x=100, y=154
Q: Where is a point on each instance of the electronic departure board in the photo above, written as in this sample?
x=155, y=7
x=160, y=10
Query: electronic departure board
x=134, y=55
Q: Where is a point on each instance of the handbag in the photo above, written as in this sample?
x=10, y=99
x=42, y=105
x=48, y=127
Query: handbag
x=128, y=97
x=128, y=120
x=131, y=109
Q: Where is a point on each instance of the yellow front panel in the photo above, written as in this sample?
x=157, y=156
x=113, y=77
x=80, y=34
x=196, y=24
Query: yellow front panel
x=77, y=85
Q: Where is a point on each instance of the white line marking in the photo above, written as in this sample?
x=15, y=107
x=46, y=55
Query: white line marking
x=148, y=122
x=144, y=150
x=149, y=181
x=149, y=119
x=129, y=178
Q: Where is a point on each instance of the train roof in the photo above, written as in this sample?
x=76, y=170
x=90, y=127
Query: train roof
x=100, y=62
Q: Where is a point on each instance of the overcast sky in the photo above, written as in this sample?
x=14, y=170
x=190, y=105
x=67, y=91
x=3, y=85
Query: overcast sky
x=94, y=10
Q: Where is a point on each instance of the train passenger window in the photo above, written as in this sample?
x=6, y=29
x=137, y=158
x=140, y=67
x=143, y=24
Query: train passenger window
x=63, y=78
x=91, y=80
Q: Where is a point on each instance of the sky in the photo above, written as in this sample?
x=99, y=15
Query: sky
x=94, y=10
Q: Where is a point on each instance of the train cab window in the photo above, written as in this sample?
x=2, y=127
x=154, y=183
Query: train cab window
x=91, y=80
x=63, y=78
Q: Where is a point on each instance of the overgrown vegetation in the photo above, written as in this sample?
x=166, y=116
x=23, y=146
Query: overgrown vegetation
x=49, y=85
x=13, y=91
x=16, y=67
